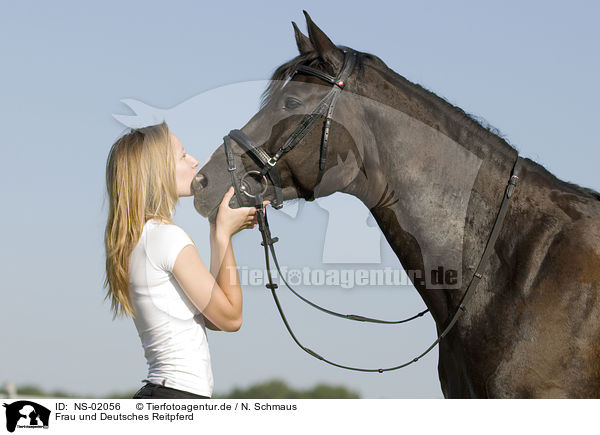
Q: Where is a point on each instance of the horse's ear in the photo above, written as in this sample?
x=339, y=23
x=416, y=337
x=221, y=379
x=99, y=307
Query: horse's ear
x=323, y=45
x=302, y=41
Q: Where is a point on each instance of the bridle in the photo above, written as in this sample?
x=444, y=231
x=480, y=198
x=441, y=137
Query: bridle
x=268, y=168
x=268, y=164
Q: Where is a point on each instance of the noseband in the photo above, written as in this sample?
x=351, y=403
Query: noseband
x=268, y=168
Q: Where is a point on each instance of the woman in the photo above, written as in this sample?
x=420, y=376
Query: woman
x=153, y=271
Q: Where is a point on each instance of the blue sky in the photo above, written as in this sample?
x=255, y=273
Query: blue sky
x=529, y=68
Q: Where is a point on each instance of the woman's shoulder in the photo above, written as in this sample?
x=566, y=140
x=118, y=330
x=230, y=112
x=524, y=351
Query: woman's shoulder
x=163, y=241
x=159, y=224
x=155, y=221
x=165, y=230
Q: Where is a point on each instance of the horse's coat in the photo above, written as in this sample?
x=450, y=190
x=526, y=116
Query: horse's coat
x=433, y=179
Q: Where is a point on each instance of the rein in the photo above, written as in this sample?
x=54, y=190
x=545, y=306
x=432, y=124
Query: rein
x=268, y=242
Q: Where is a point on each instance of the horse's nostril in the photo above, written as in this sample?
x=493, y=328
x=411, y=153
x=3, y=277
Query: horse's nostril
x=201, y=180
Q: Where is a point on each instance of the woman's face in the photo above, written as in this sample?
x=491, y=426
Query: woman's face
x=185, y=168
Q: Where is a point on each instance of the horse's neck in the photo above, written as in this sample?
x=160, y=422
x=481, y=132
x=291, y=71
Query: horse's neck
x=431, y=196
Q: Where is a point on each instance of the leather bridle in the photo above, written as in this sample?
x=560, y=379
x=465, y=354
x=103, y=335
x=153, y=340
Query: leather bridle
x=268, y=164
x=268, y=168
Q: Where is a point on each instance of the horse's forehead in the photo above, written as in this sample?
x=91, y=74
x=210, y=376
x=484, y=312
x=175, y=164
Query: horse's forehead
x=305, y=85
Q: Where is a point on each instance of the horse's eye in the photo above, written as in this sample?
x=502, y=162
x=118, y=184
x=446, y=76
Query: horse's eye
x=292, y=103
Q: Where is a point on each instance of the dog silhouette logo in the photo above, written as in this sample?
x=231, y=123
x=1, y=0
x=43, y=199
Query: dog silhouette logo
x=26, y=414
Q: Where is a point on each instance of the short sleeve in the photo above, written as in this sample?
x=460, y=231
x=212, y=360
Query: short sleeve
x=164, y=243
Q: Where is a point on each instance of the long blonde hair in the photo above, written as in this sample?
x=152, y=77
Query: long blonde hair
x=140, y=182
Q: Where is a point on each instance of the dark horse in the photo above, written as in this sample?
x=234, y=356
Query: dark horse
x=434, y=179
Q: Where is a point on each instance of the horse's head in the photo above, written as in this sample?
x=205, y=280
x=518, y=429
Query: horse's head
x=305, y=171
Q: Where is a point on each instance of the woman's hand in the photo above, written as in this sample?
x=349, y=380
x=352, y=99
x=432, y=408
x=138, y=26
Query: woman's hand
x=232, y=220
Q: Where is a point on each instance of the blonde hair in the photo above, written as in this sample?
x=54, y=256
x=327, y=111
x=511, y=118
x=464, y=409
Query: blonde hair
x=140, y=182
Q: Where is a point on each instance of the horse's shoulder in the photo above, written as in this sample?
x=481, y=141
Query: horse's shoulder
x=575, y=252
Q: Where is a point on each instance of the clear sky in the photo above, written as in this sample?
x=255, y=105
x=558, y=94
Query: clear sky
x=529, y=68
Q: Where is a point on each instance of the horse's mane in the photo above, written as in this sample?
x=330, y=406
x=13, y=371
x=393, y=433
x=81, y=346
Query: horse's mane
x=284, y=72
x=475, y=122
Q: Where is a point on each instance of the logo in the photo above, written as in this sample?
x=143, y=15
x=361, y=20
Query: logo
x=26, y=414
x=352, y=234
x=345, y=213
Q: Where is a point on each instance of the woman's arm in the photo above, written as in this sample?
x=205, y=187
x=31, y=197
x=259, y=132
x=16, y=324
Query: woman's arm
x=221, y=305
x=216, y=293
x=214, y=268
x=223, y=267
x=210, y=325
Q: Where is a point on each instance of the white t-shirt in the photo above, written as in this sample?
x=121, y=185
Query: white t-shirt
x=171, y=328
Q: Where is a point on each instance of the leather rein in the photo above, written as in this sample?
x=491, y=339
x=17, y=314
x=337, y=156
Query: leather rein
x=269, y=169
